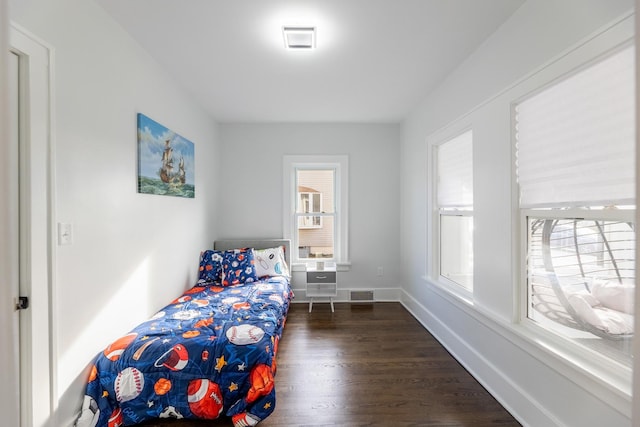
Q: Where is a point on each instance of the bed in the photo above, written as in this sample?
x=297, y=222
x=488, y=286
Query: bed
x=209, y=353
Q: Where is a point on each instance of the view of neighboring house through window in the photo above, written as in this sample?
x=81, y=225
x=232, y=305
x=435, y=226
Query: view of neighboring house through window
x=576, y=173
x=454, y=193
x=315, y=213
x=315, y=207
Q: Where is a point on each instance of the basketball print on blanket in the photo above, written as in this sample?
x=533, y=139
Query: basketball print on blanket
x=244, y=334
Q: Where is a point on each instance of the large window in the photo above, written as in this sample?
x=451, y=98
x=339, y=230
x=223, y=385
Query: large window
x=315, y=207
x=576, y=174
x=454, y=194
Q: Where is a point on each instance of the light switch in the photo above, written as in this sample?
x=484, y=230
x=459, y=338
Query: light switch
x=65, y=236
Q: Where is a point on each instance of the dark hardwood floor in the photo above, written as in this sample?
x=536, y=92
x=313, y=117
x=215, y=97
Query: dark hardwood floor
x=368, y=365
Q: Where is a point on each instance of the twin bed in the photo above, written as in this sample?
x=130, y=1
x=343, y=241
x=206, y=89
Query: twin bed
x=209, y=353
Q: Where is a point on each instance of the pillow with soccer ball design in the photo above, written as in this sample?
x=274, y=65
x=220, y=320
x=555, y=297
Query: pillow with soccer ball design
x=238, y=266
x=210, y=269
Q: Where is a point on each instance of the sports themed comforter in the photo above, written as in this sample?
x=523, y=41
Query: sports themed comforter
x=209, y=353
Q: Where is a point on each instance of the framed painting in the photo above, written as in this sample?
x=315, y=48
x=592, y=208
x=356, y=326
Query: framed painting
x=165, y=161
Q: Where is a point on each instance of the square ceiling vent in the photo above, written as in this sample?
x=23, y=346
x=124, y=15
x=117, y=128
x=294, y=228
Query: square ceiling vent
x=299, y=38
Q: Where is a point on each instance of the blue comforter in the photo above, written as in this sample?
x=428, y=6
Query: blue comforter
x=211, y=352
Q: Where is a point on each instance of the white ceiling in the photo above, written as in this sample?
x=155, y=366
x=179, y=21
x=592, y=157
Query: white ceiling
x=375, y=59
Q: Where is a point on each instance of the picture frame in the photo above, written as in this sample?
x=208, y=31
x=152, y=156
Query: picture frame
x=166, y=160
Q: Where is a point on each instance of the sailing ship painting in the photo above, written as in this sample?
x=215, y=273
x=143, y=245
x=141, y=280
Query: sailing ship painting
x=165, y=161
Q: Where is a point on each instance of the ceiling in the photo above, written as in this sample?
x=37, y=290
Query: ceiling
x=375, y=59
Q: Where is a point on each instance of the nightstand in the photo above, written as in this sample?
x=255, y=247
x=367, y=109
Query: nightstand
x=321, y=284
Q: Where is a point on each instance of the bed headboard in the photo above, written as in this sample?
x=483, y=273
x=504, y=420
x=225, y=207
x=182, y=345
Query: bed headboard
x=226, y=244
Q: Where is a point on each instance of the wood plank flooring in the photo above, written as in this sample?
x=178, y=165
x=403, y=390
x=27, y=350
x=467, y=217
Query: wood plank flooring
x=368, y=365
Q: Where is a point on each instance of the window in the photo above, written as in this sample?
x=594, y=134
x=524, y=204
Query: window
x=454, y=194
x=576, y=173
x=309, y=201
x=315, y=207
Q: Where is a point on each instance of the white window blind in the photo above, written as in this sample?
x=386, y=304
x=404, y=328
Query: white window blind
x=455, y=172
x=576, y=139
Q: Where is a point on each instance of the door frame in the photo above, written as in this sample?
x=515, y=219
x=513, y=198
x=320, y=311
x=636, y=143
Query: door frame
x=37, y=253
x=9, y=401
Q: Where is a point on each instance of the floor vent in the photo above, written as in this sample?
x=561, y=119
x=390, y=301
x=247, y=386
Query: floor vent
x=362, y=296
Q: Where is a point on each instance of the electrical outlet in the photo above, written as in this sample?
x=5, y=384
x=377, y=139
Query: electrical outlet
x=380, y=271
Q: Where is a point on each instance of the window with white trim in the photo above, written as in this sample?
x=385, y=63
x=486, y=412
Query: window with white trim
x=454, y=197
x=575, y=151
x=315, y=206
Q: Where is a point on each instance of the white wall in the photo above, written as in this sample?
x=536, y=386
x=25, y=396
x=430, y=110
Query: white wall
x=252, y=191
x=531, y=381
x=115, y=273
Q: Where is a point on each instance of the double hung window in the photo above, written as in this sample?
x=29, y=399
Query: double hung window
x=315, y=213
x=454, y=195
x=316, y=207
x=575, y=164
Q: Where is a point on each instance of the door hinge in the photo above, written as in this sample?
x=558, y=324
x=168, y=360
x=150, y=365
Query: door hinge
x=22, y=303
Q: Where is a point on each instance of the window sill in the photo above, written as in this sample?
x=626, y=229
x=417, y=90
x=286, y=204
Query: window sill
x=451, y=289
x=609, y=380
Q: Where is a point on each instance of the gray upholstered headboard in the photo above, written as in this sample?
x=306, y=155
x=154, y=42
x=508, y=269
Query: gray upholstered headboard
x=226, y=244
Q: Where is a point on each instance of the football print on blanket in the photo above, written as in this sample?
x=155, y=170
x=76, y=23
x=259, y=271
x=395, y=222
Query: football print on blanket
x=244, y=334
x=205, y=398
x=116, y=348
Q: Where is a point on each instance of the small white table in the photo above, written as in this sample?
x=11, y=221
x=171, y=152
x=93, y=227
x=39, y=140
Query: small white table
x=321, y=284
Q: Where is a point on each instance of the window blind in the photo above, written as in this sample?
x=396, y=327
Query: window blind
x=455, y=172
x=576, y=139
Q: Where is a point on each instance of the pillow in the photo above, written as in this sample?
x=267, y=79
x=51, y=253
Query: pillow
x=610, y=321
x=238, y=266
x=271, y=262
x=616, y=296
x=210, y=266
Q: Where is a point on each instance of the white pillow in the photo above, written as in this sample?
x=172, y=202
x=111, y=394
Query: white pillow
x=271, y=262
x=616, y=296
x=609, y=321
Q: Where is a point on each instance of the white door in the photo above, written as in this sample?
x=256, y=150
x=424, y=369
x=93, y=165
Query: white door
x=19, y=233
x=14, y=203
x=31, y=254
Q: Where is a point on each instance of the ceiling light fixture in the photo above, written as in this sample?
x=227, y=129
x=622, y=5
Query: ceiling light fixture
x=300, y=38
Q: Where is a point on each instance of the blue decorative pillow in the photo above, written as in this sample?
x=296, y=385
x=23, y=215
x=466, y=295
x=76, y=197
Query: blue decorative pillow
x=238, y=266
x=210, y=266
